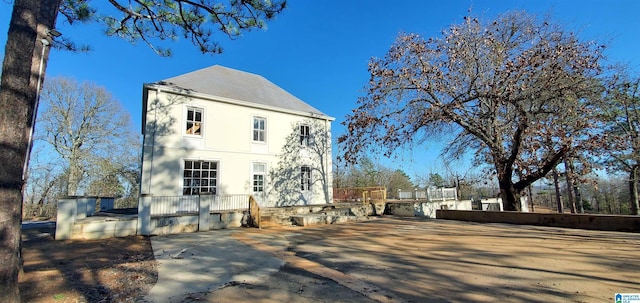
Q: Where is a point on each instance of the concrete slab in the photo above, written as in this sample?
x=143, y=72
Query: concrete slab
x=397, y=259
x=202, y=262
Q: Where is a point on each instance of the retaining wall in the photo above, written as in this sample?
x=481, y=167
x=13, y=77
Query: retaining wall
x=76, y=219
x=101, y=227
x=581, y=221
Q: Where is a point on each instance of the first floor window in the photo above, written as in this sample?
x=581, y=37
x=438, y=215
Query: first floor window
x=200, y=177
x=259, y=129
x=194, y=121
x=258, y=170
x=305, y=178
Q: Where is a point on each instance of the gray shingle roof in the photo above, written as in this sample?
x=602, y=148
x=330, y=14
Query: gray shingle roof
x=238, y=85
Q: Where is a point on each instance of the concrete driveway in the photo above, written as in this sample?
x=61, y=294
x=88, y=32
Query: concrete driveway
x=397, y=260
x=193, y=264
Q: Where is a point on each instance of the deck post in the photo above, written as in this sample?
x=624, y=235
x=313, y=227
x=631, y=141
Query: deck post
x=144, y=214
x=204, y=206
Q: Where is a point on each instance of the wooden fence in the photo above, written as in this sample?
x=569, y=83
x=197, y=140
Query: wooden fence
x=360, y=194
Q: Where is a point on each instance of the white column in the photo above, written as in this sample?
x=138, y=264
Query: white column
x=66, y=217
x=204, y=205
x=144, y=214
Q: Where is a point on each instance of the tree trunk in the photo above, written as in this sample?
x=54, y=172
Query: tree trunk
x=568, y=174
x=557, y=187
x=633, y=190
x=510, y=197
x=530, y=196
x=30, y=20
x=75, y=174
x=576, y=191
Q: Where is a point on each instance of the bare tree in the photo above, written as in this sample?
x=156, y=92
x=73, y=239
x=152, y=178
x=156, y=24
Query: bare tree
x=608, y=195
x=44, y=181
x=499, y=87
x=87, y=128
x=622, y=114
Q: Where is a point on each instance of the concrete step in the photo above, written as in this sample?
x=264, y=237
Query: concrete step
x=274, y=220
x=329, y=214
x=321, y=219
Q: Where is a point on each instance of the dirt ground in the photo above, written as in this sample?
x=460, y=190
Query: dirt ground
x=111, y=270
x=382, y=260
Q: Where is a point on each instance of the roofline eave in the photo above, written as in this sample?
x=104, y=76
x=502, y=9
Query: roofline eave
x=184, y=92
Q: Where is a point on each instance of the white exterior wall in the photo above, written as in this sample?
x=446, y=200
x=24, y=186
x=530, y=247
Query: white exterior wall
x=226, y=138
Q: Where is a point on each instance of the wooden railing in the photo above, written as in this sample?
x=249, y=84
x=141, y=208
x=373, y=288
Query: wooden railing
x=254, y=213
x=360, y=194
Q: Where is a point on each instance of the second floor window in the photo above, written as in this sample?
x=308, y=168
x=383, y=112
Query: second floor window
x=259, y=129
x=194, y=121
x=304, y=135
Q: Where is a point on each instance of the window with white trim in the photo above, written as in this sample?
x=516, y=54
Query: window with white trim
x=200, y=177
x=305, y=139
x=193, y=122
x=258, y=172
x=259, y=129
x=305, y=178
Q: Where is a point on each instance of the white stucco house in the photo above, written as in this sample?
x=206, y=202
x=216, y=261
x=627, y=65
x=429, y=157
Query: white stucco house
x=223, y=131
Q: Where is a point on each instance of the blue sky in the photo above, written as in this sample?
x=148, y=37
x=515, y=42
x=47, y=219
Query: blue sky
x=319, y=50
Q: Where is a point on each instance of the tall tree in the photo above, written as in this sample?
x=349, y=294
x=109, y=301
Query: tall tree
x=436, y=180
x=87, y=128
x=399, y=180
x=622, y=114
x=18, y=91
x=24, y=65
x=500, y=87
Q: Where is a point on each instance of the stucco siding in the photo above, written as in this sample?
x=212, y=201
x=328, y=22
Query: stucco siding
x=226, y=137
